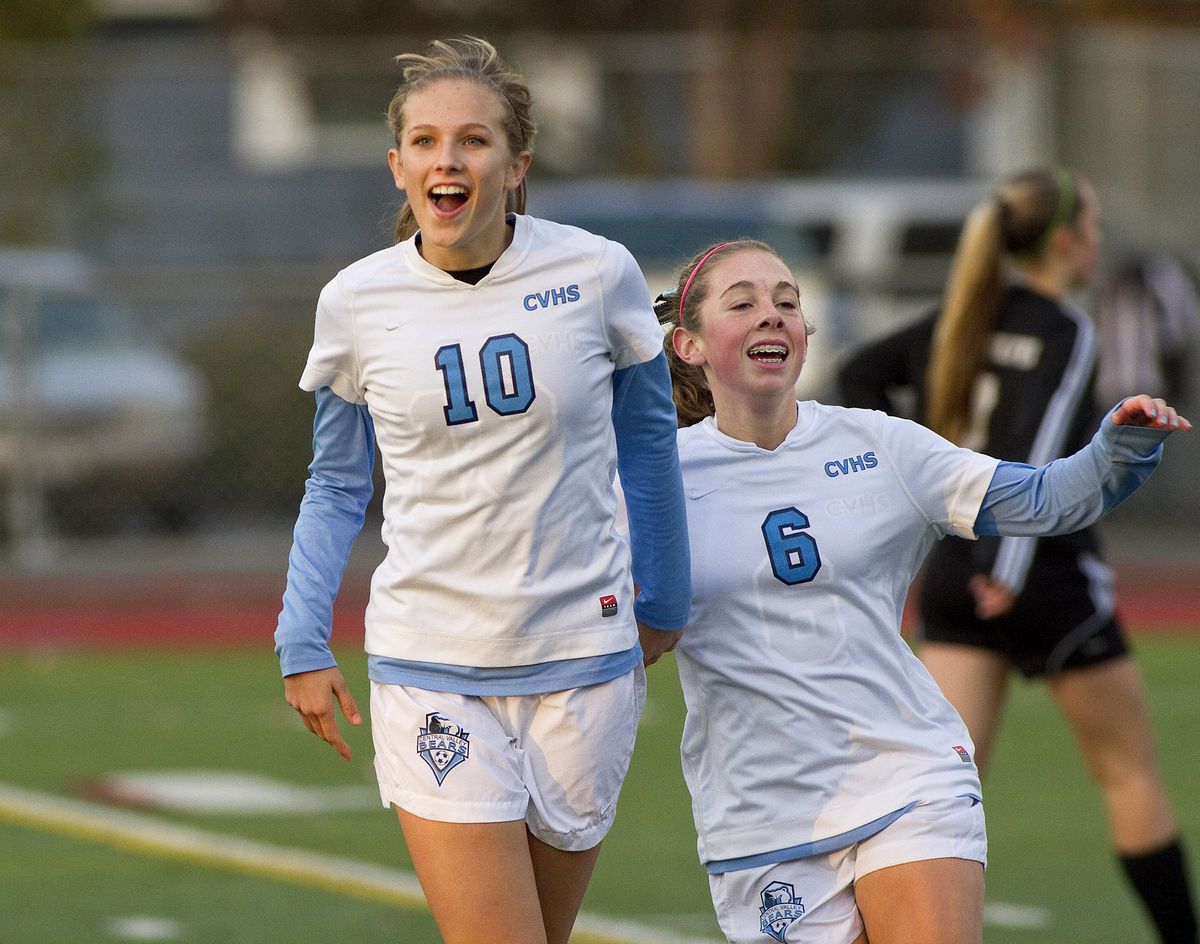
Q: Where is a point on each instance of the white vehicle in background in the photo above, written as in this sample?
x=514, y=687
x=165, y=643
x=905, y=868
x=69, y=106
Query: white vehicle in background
x=86, y=397
x=869, y=254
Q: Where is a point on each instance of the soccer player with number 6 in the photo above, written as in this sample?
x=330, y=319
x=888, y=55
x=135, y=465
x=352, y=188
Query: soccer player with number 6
x=834, y=787
x=505, y=366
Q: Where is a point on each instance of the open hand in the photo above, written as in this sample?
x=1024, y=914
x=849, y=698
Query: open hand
x=1145, y=410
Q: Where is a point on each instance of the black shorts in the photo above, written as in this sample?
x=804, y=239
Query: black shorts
x=1063, y=619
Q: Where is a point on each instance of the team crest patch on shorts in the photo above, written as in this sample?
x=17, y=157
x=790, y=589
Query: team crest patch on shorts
x=608, y=606
x=780, y=907
x=442, y=744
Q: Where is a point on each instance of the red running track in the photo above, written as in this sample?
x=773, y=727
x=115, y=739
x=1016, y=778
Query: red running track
x=167, y=611
x=187, y=611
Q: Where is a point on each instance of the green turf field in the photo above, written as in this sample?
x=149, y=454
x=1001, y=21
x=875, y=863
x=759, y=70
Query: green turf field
x=70, y=719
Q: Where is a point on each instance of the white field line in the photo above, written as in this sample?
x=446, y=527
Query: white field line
x=1021, y=917
x=148, y=835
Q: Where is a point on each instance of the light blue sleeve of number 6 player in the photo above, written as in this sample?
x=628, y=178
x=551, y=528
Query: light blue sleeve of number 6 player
x=1073, y=492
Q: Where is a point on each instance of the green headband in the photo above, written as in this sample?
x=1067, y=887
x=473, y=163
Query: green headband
x=1064, y=210
x=1066, y=201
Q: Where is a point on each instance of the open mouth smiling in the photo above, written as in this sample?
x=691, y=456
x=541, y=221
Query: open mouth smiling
x=768, y=353
x=447, y=198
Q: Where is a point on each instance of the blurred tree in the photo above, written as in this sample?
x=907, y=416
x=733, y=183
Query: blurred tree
x=1153, y=12
x=742, y=82
x=43, y=19
x=992, y=13
x=438, y=17
x=43, y=147
x=743, y=88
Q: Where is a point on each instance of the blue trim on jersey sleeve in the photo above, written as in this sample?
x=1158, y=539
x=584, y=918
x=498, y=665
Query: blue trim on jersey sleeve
x=645, y=422
x=807, y=849
x=1072, y=493
x=331, y=515
x=506, y=680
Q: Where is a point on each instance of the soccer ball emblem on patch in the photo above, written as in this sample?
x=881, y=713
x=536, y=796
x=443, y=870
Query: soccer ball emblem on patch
x=608, y=606
x=442, y=744
x=780, y=907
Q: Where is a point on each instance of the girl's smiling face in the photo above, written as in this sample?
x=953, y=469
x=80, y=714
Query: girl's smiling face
x=456, y=167
x=752, y=338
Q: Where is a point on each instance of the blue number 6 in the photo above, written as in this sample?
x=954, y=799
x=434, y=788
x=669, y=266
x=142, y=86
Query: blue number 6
x=792, y=550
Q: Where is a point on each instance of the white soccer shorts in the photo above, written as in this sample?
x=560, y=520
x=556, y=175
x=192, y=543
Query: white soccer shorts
x=811, y=900
x=555, y=760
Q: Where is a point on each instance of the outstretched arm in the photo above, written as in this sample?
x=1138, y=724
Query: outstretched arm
x=1071, y=493
x=1068, y=494
x=1063, y=495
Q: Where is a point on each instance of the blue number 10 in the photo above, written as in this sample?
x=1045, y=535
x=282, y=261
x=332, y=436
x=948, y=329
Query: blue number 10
x=507, y=392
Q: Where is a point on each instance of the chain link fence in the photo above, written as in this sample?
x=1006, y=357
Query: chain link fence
x=212, y=226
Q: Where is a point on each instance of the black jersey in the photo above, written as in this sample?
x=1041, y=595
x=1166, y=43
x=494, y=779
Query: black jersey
x=1032, y=402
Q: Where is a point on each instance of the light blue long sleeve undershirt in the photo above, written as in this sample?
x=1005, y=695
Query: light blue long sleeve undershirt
x=645, y=422
x=331, y=515
x=339, y=488
x=1073, y=492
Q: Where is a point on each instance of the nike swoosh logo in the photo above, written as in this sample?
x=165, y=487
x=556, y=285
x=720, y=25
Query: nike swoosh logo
x=699, y=491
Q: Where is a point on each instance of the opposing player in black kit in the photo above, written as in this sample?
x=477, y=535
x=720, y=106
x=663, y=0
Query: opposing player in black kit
x=1006, y=367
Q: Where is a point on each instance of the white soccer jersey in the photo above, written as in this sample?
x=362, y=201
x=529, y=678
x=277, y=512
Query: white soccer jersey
x=807, y=713
x=491, y=405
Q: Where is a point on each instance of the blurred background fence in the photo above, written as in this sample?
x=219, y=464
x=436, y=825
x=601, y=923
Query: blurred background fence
x=178, y=179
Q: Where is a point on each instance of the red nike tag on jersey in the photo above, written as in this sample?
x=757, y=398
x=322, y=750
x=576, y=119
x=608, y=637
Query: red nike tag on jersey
x=608, y=606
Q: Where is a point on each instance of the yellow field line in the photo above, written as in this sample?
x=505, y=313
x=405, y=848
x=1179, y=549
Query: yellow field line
x=147, y=835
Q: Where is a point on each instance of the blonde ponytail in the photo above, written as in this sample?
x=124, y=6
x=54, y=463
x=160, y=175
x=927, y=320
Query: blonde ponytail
x=968, y=315
x=1017, y=224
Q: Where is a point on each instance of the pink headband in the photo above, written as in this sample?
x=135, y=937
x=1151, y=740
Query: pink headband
x=688, y=283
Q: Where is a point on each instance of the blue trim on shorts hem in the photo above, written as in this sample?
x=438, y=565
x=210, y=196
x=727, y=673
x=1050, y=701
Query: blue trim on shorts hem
x=807, y=849
x=505, y=680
